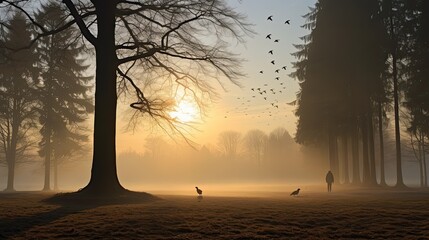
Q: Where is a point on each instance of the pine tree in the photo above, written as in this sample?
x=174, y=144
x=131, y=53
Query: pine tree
x=16, y=94
x=63, y=89
x=417, y=85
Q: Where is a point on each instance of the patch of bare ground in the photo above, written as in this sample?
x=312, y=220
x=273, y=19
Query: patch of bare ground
x=357, y=214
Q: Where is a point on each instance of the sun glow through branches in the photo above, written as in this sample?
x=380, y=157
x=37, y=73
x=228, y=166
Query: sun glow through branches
x=185, y=112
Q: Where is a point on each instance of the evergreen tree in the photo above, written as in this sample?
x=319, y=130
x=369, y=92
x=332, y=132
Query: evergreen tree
x=417, y=85
x=395, y=17
x=63, y=88
x=339, y=66
x=16, y=94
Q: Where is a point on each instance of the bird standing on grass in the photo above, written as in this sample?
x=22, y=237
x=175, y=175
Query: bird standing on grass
x=199, y=191
x=295, y=193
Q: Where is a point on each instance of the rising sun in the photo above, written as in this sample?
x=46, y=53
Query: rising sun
x=184, y=112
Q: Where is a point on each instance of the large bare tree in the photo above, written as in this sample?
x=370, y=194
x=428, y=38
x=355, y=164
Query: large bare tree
x=161, y=43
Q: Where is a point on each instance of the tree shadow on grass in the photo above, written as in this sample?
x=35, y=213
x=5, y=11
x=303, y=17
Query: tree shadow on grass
x=69, y=204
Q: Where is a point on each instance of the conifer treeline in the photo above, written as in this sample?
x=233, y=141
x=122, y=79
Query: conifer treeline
x=361, y=61
x=42, y=86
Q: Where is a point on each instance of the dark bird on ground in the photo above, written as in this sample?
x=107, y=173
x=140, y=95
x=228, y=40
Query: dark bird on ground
x=259, y=89
x=277, y=40
x=281, y=83
x=252, y=89
x=272, y=90
x=265, y=91
x=295, y=193
x=270, y=18
x=265, y=98
x=260, y=93
x=265, y=84
x=277, y=78
x=253, y=96
x=284, y=67
x=261, y=71
x=287, y=21
x=277, y=70
x=199, y=191
x=268, y=36
x=270, y=52
x=273, y=62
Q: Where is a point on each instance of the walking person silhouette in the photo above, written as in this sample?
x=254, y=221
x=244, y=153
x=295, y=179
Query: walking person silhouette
x=329, y=180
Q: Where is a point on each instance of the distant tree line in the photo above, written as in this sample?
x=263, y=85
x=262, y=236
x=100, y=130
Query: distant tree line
x=43, y=87
x=362, y=62
x=252, y=155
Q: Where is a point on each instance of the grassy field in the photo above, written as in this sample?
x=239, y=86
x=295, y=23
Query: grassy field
x=357, y=214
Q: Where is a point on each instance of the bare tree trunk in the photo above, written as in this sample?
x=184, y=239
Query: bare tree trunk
x=47, y=186
x=373, y=175
x=10, y=176
x=11, y=151
x=365, y=152
x=420, y=159
x=399, y=178
x=355, y=152
x=104, y=179
x=380, y=132
x=333, y=154
x=346, y=158
x=424, y=163
x=55, y=161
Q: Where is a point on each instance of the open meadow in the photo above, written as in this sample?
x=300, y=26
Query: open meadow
x=346, y=214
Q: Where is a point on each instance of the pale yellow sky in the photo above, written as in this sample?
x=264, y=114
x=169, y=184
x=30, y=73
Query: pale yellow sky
x=243, y=109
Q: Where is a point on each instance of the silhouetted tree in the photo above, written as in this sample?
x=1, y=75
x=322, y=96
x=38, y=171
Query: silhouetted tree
x=165, y=42
x=256, y=143
x=16, y=94
x=394, y=18
x=63, y=89
x=338, y=68
x=278, y=144
x=229, y=142
x=417, y=85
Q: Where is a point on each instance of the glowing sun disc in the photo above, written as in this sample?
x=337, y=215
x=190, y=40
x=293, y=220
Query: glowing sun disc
x=184, y=112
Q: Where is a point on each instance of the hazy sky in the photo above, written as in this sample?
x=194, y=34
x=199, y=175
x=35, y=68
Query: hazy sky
x=241, y=109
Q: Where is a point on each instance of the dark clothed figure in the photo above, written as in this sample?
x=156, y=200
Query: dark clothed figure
x=329, y=180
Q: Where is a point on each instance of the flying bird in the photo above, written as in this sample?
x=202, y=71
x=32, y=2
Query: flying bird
x=270, y=18
x=270, y=52
x=268, y=36
x=199, y=191
x=287, y=21
x=273, y=62
x=277, y=40
x=295, y=193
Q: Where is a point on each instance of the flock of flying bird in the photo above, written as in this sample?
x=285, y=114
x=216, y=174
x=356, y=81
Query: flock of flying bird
x=268, y=90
